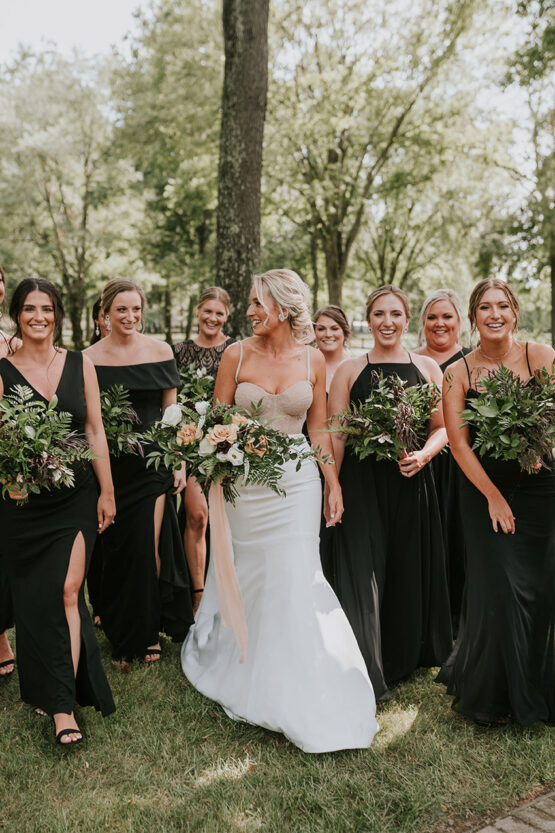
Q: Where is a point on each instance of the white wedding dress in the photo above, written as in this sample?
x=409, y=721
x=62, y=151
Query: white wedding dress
x=304, y=674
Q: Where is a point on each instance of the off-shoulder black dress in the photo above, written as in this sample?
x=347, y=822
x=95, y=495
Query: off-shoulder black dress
x=389, y=559
x=37, y=541
x=136, y=603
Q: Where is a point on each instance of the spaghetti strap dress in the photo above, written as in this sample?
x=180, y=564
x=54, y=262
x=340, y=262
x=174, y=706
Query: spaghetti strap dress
x=303, y=674
x=389, y=558
x=136, y=603
x=447, y=476
x=37, y=541
x=504, y=660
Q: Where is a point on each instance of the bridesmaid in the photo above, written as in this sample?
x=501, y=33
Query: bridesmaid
x=504, y=662
x=439, y=337
x=8, y=346
x=389, y=555
x=48, y=541
x=204, y=351
x=144, y=587
x=331, y=332
x=95, y=568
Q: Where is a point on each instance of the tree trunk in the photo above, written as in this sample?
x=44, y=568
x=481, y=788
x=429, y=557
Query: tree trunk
x=190, y=316
x=315, y=273
x=245, y=25
x=168, y=311
x=552, y=273
x=75, y=303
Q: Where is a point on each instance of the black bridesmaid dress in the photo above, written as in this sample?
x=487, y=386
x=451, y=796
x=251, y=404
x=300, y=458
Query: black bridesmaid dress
x=447, y=476
x=504, y=660
x=37, y=542
x=136, y=603
x=389, y=559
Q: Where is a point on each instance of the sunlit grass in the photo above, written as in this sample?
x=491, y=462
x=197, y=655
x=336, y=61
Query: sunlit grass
x=170, y=761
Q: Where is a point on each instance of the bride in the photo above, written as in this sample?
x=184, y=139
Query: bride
x=304, y=674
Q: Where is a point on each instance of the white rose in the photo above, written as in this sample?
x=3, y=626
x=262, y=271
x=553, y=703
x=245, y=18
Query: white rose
x=201, y=371
x=205, y=447
x=172, y=415
x=56, y=475
x=235, y=455
x=202, y=407
x=223, y=458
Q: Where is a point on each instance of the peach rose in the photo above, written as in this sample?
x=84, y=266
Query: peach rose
x=260, y=448
x=222, y=433
x=239, y=419
x=187, y=434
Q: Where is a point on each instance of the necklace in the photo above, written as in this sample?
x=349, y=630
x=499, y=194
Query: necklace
x=497, y=359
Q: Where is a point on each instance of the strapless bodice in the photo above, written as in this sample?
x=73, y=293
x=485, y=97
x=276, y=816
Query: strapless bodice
x=286, y=410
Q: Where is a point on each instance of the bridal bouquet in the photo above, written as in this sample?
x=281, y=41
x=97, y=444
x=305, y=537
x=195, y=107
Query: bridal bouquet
x=514, y=419
x=220, y=444
x=195, y=383
x=37, y=446
x=392, y=421
x=119, y=417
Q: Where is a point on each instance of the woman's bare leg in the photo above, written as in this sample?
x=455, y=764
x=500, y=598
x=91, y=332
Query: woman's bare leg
x=6, y=654
x=72, y=586
x=159, y=507
x=196, y=512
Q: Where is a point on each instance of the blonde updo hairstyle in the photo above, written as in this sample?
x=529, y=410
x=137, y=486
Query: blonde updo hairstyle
x=214, y=293
x=292, y=297
x=439, y=295
x=388, y=289
x=478, y=293
x=114, y=287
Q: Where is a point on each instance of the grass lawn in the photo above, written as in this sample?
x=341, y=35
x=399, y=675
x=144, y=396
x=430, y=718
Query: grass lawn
x=169, y=760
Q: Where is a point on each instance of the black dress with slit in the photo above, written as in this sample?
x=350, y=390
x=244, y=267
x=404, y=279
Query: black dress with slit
x=447, y=476
x=504, y=659
x=38, y=538
x=137, y=603
x=389, y=559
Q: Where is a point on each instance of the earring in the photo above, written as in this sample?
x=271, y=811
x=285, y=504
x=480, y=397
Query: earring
x=108, y=323
x=282, y=316
x=96, y=330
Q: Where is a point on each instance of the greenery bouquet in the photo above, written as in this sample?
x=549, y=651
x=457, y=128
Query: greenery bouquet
x=514, y=419
x=220, y=444
x=392, y=421
x=195, y=384
x=119, y=417
x=37, y=446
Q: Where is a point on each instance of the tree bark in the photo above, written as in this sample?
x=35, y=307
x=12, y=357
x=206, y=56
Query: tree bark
x=552, y=275
x=245, y=25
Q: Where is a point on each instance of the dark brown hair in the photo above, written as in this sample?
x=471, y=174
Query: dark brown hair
x=336, y=314
x=19, y=296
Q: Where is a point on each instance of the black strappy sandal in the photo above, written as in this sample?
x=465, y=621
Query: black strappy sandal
x=152, y=651
x=65, y=732
x=6, y=663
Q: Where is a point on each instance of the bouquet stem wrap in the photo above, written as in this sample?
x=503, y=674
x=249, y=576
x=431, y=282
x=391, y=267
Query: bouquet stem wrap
x=229, y=592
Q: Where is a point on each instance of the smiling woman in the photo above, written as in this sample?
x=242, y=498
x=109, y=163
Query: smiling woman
x=47, y=542
x=503, y=666
x=142, y=553
x=389, y=559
